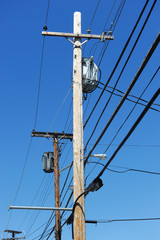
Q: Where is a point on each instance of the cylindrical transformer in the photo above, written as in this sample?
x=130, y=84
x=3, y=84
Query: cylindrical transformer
x=89, y=75
x=47, y=161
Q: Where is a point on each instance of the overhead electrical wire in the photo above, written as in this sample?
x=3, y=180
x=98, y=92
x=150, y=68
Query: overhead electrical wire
x=122, y=71
x=141, y=170
x=132, y=170
x=71, y=194
x=132, y=110
x=41, y=65
x=130, y=131
x=89, y=28
x=33, y=201
x=42, y=200
x=97, y=43
x=118, y=14
x=20, y=181
x=139, y=103
x=29, y=147
x=117, y=90
x=94, y=15
x=125, y=120
x=117, y=63
x=138, y=73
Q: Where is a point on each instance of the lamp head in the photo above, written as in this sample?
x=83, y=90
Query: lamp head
x=95, y=185
x=102, y=156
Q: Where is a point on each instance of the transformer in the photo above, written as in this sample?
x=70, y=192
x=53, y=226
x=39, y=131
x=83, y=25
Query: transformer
x=47, y=161
x=89, y=75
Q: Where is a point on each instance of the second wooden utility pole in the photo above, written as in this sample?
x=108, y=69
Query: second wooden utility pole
x=57, y=196
x=78, y=157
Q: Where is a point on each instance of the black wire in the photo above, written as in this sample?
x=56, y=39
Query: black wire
x=116, y=20
x=129, y=94
x=132, y=110
x=28, y=151
x=117, y=63
x=21, y=178
x=122, y=72
x=97, y=43
x=40, y=73
x=74, y=206
x=132, y=100
x=109, y=16
x=47, y=12
x=94, y=14
x=39, y=84
x=134, y=170
x=130, y=131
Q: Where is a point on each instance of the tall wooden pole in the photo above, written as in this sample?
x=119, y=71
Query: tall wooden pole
x=57, y=196
x=78, y=155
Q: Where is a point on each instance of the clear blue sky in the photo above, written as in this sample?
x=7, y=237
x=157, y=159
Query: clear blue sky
x=128, y=195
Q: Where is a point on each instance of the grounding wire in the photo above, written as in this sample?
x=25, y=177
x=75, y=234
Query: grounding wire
x=117, y=63
x=122, y=70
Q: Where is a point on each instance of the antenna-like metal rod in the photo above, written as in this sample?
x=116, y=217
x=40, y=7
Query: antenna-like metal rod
x=39, y=208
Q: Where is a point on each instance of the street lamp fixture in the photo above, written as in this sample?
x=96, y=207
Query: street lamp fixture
x=94, y=185
x=102, y=156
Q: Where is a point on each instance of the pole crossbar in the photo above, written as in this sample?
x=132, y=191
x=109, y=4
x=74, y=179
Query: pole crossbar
x=78, y=35
x=52, y=135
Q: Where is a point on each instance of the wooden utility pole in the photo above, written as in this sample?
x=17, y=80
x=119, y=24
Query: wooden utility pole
x=78, y=158
x=57, y=196
x=13, y=232
x=55, y=137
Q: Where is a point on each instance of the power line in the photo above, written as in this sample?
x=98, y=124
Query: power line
x=97, y=43
x=93, y=15
x=39, y=83
x=131, y=110
x=138, y=73
x=122, y=71
x=131, y=131
x=117, y=63
x=21, y=178
x=133, y=170
x=118, y=14
x=142, y=104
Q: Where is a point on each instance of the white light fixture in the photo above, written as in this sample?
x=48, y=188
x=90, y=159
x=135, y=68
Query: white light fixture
x=102, y=156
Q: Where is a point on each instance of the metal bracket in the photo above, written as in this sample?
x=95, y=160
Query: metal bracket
x=75, y=45
x=102, y=36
